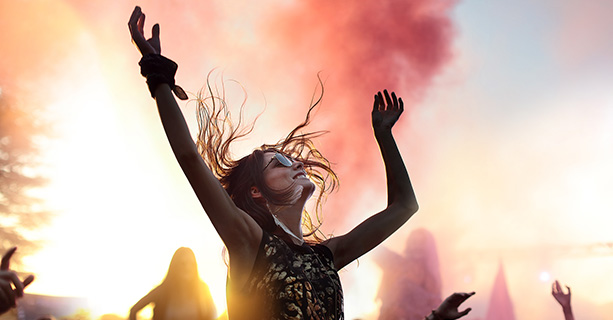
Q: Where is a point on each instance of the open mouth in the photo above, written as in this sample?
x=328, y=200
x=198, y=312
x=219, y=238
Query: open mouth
x=300, y=175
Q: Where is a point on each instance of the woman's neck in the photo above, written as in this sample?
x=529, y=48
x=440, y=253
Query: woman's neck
x=289, y=219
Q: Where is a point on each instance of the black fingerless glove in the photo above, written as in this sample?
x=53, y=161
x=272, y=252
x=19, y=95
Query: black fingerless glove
x=159, y=69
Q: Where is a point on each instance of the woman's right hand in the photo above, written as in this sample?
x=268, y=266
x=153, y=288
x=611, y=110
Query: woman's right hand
x=136, y=26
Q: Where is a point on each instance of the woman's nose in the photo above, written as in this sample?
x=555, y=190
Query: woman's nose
x=297, y=164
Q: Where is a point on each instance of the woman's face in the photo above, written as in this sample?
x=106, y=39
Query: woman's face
x=279, y=176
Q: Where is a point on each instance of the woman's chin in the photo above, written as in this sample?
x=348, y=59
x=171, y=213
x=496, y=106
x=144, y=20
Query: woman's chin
x=306, y=183
x=304, y=190
x=308, y=189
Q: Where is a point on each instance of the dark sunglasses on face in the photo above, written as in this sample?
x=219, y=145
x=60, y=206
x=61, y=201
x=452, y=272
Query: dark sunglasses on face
x=282, y=159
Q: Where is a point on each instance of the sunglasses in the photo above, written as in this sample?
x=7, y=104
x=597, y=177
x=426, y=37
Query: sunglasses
x=281, y=159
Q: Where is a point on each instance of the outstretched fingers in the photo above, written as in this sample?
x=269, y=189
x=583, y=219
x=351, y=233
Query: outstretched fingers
x=11, y=287
x=8, y=277
x=459, y=298
x=555, y=287
x=467, y=295
x=394, y=100
x=136, y=25
x=7, y=296
x=141, y=24
x=136, y=13
x=155, y=31
x=387, y=109
x=6, y=258
x=28, y=280
x=400, y=105
x=386, y=101
x=137, y=22
x=465, y=312
x=375, y=105
x=155, y=38
x=381, y=105
x=390, y=104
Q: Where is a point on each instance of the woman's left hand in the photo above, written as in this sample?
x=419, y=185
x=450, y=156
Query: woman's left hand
x=385, y=112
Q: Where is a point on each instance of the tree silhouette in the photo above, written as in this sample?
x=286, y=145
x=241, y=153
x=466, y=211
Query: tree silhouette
x=21, y=128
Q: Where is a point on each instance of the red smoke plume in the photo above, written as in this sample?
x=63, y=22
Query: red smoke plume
x=363, y=48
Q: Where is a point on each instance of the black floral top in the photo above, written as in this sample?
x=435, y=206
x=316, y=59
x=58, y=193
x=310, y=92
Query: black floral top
x=289, y=282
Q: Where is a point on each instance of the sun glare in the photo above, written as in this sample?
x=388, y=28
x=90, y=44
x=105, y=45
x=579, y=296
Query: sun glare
x=544, y=276
x=113, y=236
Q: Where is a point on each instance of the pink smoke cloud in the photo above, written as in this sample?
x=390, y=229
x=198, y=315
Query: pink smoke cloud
x=361, y=49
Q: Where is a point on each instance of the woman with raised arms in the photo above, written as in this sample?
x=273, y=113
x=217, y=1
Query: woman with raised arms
x=257, y=203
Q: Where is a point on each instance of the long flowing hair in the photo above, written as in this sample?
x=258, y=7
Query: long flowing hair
x=217, y=132
x=182, y=280
x=182, y=274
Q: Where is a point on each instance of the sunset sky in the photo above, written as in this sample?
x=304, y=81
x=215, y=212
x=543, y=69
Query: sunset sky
x=507, y=136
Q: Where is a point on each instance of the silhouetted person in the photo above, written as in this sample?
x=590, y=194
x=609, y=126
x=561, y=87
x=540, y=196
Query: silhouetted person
x=257, y=203
x=11, y=287
x=563, y=299
x=411, y=282
x=182, y=295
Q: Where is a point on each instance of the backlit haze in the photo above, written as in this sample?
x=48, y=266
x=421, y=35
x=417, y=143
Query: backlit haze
x=507, y=136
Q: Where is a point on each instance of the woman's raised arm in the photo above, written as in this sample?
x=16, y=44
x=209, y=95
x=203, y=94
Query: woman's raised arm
x=239, y=232
x=143, y=302
x=401, y=200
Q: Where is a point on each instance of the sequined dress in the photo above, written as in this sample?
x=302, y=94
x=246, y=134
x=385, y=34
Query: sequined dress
x=289, y=282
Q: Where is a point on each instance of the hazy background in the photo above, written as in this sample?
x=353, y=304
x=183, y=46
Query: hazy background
x=507, y=136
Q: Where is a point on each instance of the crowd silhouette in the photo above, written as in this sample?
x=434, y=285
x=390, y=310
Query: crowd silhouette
x=182, y=295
